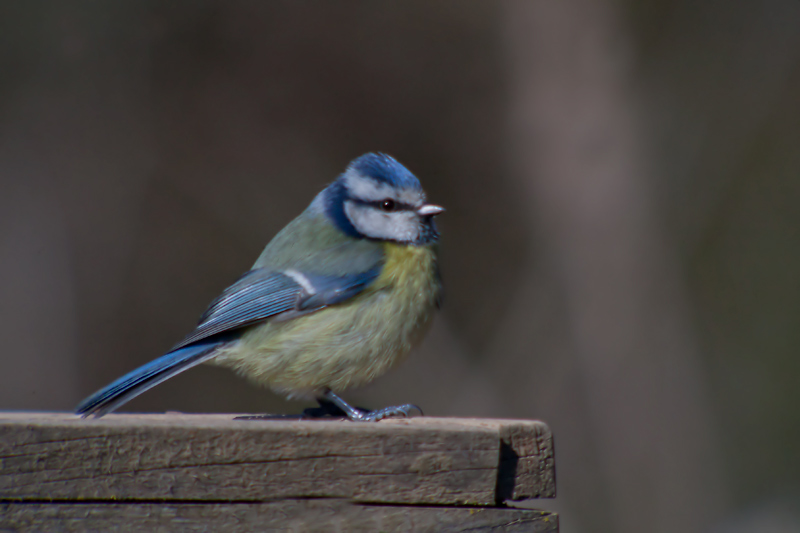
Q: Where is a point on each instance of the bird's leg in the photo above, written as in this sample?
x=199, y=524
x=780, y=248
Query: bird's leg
x=325, y=409
x=332, y=406
x=355, y=414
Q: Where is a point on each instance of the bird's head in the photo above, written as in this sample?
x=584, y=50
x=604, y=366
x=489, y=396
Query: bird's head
x=377, y=198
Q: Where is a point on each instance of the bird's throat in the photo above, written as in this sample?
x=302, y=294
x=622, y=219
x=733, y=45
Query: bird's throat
x=407, y=265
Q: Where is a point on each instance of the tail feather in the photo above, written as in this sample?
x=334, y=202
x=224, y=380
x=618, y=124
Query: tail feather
x=147, y=376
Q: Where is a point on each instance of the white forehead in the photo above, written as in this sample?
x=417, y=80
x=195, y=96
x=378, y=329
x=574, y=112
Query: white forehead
x=369, y=190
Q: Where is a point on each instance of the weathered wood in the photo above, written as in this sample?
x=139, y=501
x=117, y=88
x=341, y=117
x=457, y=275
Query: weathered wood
x=286, y=516
x=181, y=457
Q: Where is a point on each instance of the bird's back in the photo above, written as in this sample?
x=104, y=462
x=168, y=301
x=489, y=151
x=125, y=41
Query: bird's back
x=310, y=243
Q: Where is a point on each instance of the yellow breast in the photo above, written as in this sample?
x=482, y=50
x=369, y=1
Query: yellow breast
x=351, y=343
x=407, y=265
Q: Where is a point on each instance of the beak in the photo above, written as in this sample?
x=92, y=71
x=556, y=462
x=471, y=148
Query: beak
x=429, y=210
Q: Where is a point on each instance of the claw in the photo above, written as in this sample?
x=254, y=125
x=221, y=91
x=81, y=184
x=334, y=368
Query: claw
x=330, y=400
x=331, y=406
x=398, y=411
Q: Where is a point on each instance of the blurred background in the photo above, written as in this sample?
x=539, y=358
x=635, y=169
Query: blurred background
x=621, y=248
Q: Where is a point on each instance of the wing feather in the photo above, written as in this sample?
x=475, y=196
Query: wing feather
x=262, y=293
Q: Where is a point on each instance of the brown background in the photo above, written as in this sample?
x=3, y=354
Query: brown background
x=621, y=247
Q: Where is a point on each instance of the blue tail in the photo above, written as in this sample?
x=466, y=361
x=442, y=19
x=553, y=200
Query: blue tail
x=143, y=378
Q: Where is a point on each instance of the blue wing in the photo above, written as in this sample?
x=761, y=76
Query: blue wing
x=257, y=296
x=262, y=294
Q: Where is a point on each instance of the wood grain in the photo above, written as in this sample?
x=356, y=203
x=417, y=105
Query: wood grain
x=213, y=458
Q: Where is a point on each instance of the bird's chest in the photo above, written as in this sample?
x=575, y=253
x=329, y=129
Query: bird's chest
x=350, y=343
x=378, y=328
x=409, y=275
x=392, y=314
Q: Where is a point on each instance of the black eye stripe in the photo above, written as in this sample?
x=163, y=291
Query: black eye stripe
x=378, y=204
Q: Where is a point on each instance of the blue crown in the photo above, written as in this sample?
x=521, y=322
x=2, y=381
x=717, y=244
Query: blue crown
x=386, y=169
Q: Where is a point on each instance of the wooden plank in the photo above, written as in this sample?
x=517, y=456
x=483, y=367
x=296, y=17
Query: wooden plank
x=181, y=457
x=285, y=516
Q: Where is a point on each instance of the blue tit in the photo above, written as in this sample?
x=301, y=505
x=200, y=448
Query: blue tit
x=337, y=298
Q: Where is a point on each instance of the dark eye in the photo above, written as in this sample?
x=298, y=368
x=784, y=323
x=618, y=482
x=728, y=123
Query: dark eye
x=388, y=205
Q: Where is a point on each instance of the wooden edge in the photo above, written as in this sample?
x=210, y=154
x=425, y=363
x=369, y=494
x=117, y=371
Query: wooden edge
x=224, y=420
x=527, y=462
x=320, y=515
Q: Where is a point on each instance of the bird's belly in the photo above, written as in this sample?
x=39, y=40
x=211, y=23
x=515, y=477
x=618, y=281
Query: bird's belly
x=348, y=344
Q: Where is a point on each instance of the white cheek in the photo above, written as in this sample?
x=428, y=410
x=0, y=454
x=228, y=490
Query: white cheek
x=400, y=226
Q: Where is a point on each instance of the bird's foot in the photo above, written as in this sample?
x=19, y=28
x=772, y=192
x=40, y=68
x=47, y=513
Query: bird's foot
x=332, y=405
x=395, y=411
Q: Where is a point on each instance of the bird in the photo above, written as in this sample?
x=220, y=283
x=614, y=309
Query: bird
x=337, y=298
